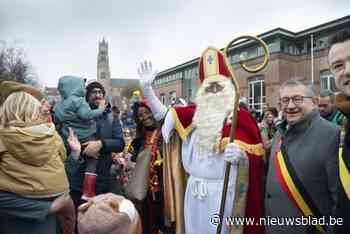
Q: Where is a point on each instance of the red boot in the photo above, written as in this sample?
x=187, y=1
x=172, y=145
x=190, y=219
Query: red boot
x=89, y=186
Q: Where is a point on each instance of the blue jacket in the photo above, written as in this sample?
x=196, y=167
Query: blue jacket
x=110, y=133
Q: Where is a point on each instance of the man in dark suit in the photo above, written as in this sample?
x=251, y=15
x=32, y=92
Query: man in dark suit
x=302, y=171
x=339, y=62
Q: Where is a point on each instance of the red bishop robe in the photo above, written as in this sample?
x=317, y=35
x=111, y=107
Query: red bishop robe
x=247, y=137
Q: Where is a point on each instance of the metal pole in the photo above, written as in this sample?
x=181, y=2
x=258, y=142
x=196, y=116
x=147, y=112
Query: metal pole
x=234, y=117
x=312, y=58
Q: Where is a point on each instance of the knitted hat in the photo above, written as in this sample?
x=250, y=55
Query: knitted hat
x=9, y=87
x=94, y=85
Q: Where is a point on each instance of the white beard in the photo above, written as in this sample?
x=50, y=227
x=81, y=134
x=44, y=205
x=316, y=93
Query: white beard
x=212, y=110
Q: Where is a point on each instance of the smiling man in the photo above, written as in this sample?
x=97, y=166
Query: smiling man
x=339, y=62
x=302, y=171
x=109, y=138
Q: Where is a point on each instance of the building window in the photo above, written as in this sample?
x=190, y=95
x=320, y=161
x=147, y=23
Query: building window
x=196, y=73
x=189, y=95
x=188, y=74
x=274, y=47
x=300, y=47
x=257, y=95
x=103, y=75
x=179, y=75
x=327, y=81
x=261, y=51
x=172, y=97
x=162, y=98
x=235, y=58
x=321, y=43
x=288, y=47
x=252, y=52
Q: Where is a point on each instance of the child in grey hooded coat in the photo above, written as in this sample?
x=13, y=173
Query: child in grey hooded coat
x=74, y=112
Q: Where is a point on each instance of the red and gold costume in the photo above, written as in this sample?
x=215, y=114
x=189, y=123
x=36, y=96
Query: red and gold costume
x=248, y=139
x=151, y=209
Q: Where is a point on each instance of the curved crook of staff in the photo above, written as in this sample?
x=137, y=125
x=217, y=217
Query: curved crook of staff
x=235, y=109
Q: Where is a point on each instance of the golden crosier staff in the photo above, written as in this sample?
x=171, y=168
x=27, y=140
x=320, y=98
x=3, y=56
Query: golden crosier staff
x=242, y=169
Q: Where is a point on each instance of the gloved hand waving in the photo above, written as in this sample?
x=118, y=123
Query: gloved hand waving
x=146, y=74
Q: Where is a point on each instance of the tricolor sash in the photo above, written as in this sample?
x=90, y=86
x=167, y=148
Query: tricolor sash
x=343, y=193
x=344, y=168
x=293, y=186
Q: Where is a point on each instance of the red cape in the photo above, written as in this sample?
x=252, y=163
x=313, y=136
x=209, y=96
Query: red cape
x=247, y=137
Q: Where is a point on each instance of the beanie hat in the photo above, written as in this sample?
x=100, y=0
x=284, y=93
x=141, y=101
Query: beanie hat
x=94, y=85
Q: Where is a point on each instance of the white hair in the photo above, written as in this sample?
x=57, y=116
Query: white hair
x=212, y=110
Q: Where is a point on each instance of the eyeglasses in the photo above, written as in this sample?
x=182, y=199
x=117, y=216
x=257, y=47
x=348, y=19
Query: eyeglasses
x=338, y=66
x=297, y=100
x=96, y=92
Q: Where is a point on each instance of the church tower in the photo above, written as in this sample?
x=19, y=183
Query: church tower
x=103, y=71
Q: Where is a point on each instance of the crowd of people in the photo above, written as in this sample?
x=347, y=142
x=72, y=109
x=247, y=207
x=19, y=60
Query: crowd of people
x=84, y=167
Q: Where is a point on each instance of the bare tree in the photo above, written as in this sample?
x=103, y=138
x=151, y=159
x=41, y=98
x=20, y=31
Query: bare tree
x=14, y=66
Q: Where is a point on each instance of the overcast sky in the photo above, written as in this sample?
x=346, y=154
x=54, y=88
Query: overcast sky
x=61, y=37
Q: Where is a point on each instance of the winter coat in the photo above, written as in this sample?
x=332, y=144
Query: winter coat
x=312, y=146
x=73, y=111
x=31, y=161
x=110, y=133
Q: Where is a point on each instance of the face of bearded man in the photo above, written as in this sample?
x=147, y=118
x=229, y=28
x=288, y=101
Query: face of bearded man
x=212, y=109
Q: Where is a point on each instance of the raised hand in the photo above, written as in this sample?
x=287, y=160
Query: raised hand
x=74, y=143
x=146, y=73
x=102, y=104
x=93, y=148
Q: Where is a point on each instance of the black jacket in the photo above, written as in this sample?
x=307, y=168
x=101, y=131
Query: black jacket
x=110, y=133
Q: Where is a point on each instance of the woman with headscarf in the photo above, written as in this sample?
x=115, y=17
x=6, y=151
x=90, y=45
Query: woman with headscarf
x=33, y=183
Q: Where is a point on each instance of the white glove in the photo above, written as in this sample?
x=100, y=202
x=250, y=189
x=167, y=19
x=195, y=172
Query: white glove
x=146, y=78
x=234, y=154
x=146, y=74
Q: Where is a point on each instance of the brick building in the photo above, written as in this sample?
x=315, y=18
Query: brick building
x=290, y=56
